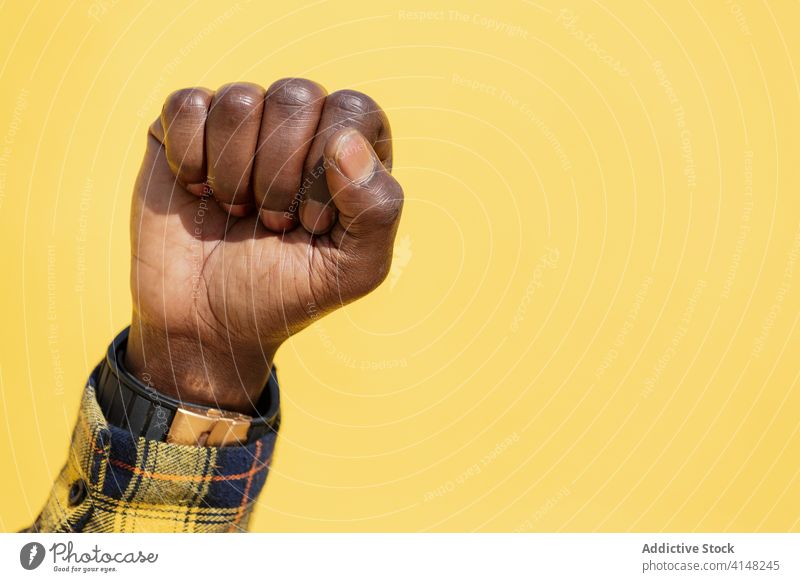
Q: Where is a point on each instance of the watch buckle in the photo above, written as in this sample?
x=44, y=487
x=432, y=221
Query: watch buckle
x=208, y=428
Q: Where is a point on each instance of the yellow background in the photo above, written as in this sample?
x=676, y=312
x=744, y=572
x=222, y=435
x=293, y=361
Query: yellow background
x=592, y=321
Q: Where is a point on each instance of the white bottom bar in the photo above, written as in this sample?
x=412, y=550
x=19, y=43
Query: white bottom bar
x=355, y=557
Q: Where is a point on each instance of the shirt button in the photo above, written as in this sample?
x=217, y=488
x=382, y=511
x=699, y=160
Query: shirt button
x=77, y=492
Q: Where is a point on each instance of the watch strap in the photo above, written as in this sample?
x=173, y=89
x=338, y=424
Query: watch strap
x=136, y=406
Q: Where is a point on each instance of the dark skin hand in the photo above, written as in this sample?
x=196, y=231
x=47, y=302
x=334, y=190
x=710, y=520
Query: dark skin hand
x=254, y=213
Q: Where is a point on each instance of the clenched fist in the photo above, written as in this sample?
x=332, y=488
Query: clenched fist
x=254, y=213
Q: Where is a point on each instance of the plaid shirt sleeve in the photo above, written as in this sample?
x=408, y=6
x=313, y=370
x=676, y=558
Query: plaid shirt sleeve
x=113, y=482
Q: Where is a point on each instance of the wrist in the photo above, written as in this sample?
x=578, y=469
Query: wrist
x=194, y=369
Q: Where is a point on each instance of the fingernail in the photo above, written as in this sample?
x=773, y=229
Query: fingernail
x=237, y=210
x=276, y=220
x=354, y=157
x=316, y=216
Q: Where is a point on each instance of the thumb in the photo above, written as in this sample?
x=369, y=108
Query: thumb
x=368, y=199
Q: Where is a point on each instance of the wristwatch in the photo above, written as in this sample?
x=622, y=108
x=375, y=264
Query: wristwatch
x=140, y=408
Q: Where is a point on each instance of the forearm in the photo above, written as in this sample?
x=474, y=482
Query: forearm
x=114, y=481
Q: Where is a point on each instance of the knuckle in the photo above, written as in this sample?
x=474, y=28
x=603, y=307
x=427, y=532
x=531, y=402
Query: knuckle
x=385, y=213
x=388, y=204
x=184, y=113
x=353, y=103
x=381, y=207
x=188, y=99
x=238, y=98
x=294, y=92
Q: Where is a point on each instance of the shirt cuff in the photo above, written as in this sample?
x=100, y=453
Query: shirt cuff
x=113, y=482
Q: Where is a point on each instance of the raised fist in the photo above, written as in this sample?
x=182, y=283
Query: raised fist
x=254, y=213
